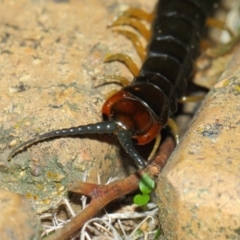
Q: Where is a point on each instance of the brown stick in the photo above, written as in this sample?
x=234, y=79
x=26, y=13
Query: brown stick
x=101, y=195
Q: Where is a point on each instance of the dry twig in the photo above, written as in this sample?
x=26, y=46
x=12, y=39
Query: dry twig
x=101, y=195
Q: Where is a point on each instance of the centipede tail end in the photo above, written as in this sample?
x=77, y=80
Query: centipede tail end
x=124, y=137
x=100, y=128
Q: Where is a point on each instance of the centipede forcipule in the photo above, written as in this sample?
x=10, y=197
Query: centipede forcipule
x=138, y=112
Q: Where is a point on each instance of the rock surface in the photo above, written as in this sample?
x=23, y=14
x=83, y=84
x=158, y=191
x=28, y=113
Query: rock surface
x=18, y=219
x=199, y=189
x=51, y=51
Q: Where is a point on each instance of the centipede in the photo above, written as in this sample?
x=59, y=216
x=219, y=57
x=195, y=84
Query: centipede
x=138, y=112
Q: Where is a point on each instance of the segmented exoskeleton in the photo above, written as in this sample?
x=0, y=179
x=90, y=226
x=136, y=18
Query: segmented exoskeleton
x=140, y=110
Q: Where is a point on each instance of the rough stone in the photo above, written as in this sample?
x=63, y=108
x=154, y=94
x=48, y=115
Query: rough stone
x=51, y=53
x=199, y=189
x=18, y=219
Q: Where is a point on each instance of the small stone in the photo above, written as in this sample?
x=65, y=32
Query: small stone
x=13, y=143
x=198, y=190
x=18, y=220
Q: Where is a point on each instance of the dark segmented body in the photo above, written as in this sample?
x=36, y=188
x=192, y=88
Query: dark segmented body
x=176, y=34
x=163, y=79
x=141, y=109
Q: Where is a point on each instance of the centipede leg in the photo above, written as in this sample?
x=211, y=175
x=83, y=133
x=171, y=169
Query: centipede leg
x=155, y=146
x=111, y=93
x=213, y=22
x=138, y=13
x=114, y=78
x=136, y=42
x=126, y=60
x=172, y=124
x=133, y=23
x=186, y=99
x=222, y=48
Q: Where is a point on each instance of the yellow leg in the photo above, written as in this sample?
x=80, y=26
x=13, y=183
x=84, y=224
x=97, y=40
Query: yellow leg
x=136, y=42
x=172, y=124
x=213, y=22
x=222, y=48
x=205, y=45
x=122, y=80
x=191, y=99
x=138, y=13
x=111, y=93
x=155, y=147
x=126, y=60
x=133, y=23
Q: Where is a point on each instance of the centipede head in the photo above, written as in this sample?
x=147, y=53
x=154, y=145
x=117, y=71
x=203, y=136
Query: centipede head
x=135, y=120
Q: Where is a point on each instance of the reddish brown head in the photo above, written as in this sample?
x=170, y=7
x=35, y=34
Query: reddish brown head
x=133, y=115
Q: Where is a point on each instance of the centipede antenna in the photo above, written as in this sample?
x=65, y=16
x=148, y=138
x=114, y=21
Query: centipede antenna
x=124, y=137
x=100, y=128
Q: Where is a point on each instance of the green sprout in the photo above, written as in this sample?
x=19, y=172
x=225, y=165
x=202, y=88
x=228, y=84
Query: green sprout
x=146, y=186
x=157, y=235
